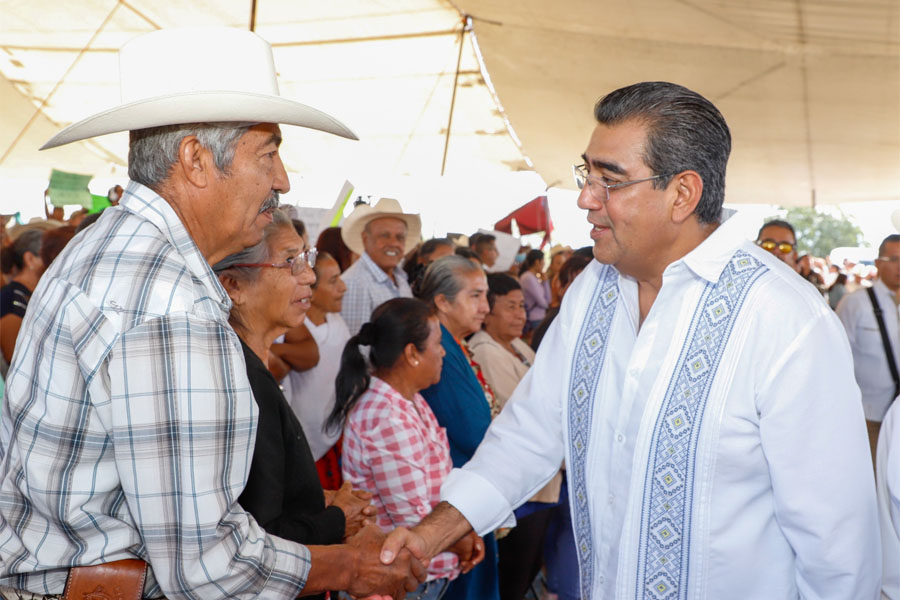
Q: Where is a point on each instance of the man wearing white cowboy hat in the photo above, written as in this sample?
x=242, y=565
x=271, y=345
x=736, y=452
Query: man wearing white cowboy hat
x=382, y=235
x=128, y=423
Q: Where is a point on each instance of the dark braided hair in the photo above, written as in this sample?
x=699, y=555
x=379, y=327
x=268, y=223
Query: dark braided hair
x=393, y=325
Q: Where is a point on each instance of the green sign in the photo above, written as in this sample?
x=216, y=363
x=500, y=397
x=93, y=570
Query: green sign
x=70, y=188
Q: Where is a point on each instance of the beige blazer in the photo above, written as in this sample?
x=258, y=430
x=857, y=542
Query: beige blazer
x=503, y=371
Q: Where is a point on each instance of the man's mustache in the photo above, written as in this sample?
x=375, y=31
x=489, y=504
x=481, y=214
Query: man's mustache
x=271, y=203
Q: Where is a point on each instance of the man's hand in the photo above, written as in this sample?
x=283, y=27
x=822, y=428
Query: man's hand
x=371, y=577
x=443, y=527
x=470, y=550
x=358, y=511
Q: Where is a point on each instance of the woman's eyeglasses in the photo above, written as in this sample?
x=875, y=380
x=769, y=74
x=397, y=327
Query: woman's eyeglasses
x=307, y=258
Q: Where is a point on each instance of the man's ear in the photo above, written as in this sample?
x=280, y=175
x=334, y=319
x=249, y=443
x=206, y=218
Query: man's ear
x=196, y=162
x=688, y=190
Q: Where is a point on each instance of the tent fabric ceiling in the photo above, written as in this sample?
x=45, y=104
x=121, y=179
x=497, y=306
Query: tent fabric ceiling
x=387, y=69
x=809, y=87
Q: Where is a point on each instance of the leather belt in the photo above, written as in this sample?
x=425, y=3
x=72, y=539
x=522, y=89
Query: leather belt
x=118, y=580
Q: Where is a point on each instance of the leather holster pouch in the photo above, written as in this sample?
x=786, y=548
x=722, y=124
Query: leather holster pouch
x=119, y=580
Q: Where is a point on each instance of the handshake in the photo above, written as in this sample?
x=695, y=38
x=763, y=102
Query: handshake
x=381, y=567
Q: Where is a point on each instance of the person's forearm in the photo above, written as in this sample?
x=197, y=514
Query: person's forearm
x=300, y=356
x=442, y=528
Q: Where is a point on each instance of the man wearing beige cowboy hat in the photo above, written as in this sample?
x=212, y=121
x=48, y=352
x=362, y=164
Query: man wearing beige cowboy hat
x=128, y=423
x=382, y=235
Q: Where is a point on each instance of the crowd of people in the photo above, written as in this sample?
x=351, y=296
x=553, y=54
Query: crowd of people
x=671, y=411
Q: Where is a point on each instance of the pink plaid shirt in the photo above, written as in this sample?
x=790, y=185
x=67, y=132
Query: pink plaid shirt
x=395, y=449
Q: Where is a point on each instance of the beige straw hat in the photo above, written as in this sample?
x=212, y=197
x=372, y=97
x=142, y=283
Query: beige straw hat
x=352, y=227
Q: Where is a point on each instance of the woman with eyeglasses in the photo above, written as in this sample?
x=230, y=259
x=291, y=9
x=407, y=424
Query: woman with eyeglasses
x=393, y=444
x=269, y=286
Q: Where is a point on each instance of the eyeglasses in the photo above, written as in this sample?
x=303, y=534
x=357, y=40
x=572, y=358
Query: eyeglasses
x=307, y=258
x=895, y=258
x=783, y=247
x=594, y=184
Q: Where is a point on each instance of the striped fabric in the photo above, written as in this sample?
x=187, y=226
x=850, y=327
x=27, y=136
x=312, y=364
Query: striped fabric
x=128, y=423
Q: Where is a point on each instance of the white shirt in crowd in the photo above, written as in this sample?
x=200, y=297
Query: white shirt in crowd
x=783, y=502
x=869, y=361
x=311, y=393
x=887, y=468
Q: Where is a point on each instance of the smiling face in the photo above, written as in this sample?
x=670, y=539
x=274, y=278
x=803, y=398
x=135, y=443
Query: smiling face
x=506, y=320
x=631, y=230
x=384, y=240
x=251, y=185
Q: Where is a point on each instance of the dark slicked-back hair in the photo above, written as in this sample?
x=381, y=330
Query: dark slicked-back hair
x=777, y=223
x=891, y=239
x=684, y=132
x=500, y=284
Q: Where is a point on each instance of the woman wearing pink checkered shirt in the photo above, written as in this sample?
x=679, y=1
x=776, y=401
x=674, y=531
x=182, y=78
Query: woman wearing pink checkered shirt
x=393, y=445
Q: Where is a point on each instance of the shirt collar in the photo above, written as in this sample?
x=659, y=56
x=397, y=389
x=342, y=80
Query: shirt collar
x=378, y=273
x=149, y=205
x=709, y=259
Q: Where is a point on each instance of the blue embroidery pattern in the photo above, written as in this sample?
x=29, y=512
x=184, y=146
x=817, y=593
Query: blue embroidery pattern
x=589, y=354
x=662, y=571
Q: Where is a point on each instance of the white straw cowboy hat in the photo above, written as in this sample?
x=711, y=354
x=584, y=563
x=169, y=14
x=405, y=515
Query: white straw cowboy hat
x=352, y=227
x=198, y=75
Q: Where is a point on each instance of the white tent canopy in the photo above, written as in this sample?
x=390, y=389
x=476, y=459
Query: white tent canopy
x=809, y=87
x=386, y=69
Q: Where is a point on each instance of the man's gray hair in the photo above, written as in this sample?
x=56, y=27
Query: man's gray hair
x=27, y=241
x=445, y=277
x=153, y=151
x=255, y=254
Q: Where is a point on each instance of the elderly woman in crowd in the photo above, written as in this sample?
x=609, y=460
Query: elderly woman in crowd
x=269, y=285
x=536, y=290
x=504, y=359
x=26, y=261
x=310, y=391
x=393, y=445
x=462, y=400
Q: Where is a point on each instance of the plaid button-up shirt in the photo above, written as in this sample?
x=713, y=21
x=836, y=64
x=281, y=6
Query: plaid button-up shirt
x=395, y=449
x=367, y=287
x=128, y=423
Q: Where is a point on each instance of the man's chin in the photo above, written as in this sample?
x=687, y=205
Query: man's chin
x=389, y=263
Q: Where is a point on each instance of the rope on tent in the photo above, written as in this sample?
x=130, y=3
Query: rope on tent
x=40, y=109
x=466, y=26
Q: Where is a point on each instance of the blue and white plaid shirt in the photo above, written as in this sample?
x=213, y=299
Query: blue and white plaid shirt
x=367, y=287
x=128, y=423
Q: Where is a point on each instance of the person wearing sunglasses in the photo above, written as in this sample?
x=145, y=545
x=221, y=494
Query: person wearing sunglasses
x=778, y=238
